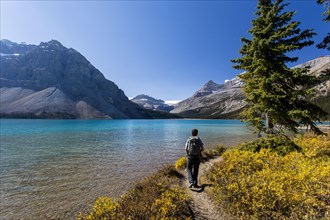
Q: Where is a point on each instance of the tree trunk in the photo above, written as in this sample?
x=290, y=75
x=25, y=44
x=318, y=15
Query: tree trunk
x=259, y=134
x=269, y=124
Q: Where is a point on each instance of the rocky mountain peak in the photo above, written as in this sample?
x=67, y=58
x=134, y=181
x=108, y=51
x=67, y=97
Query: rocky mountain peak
x=7, y=43
x=147, y=98
x=207, y=89
x=227, y=100
x=50, y=79
x=151, y=103
x=233, y=83
x=8, y=48
x=51, y=44
x=210, y=84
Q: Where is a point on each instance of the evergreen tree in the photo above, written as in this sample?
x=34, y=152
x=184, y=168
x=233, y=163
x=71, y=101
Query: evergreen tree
x=325, y=44
x=272, y=89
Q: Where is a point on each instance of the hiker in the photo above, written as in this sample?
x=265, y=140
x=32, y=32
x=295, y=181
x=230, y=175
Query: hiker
x=194, y=146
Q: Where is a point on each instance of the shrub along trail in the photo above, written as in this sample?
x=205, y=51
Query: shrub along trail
x=201, y=204
x=270, y=178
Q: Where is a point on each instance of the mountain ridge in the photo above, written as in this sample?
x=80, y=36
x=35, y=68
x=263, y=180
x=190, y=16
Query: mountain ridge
x=152, y=103
x=52, y=72
x=221, y=101
x=50, y=79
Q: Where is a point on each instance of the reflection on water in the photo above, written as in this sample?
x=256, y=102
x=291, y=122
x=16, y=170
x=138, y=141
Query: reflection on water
x=57, y=168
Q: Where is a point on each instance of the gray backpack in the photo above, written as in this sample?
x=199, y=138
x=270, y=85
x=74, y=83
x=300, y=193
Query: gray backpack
x=194, y=148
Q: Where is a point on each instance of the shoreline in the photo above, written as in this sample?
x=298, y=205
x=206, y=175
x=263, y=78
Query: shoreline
x=322, y=127
x=202, y=205
x=103, y=184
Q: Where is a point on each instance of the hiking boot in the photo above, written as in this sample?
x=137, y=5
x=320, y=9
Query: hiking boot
x=197, y=186
x=191, y=185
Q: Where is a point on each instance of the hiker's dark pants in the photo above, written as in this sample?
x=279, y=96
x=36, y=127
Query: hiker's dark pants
x=192, y=167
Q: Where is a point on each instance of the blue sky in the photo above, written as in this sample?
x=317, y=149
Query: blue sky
x=166, y=49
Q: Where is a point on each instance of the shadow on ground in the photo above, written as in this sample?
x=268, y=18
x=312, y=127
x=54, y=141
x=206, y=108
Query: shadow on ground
x=201, y=188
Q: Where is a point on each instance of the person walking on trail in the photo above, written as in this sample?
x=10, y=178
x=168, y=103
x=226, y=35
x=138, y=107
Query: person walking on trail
x=194, y=147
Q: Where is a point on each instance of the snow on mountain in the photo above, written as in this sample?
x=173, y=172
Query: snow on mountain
x=151, y=103
x=172, y=102
x=5, y=54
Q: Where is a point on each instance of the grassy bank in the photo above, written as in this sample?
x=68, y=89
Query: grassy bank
x=270, y=178
x=157, y=197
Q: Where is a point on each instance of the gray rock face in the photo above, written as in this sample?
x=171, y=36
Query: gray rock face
x=209, y=88
x=320, y=66
x=9, y=48
x=151, y=103
x=316, y=65
x=227, y=100
x=213, y=101
x=50, y=78
x=50, y=100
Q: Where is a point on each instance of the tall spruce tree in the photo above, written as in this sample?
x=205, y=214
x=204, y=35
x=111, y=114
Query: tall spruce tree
x=325, y=44
x=274, y=91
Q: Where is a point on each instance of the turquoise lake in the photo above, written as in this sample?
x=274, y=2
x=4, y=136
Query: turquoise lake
x=54, y=169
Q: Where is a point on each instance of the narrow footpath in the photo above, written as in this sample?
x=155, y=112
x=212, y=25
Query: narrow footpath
x=201, y=204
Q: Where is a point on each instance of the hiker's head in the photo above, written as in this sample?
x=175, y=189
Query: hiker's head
x=194, y=132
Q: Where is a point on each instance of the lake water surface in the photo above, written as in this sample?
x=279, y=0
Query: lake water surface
x=54, y=169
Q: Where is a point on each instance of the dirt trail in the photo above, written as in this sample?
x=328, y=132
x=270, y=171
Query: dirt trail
x=201, y=205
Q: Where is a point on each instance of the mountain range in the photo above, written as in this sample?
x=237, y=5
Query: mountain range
x=52, y=81
x=227, y=100
x=213, y=101
x=151, y=103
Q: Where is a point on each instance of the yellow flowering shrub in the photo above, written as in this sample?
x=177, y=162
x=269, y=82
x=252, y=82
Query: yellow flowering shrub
x=265, y=185
x=181, y=163
x=169, y=205
x=314, y=146
x=156, y=197
x=104, y=208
